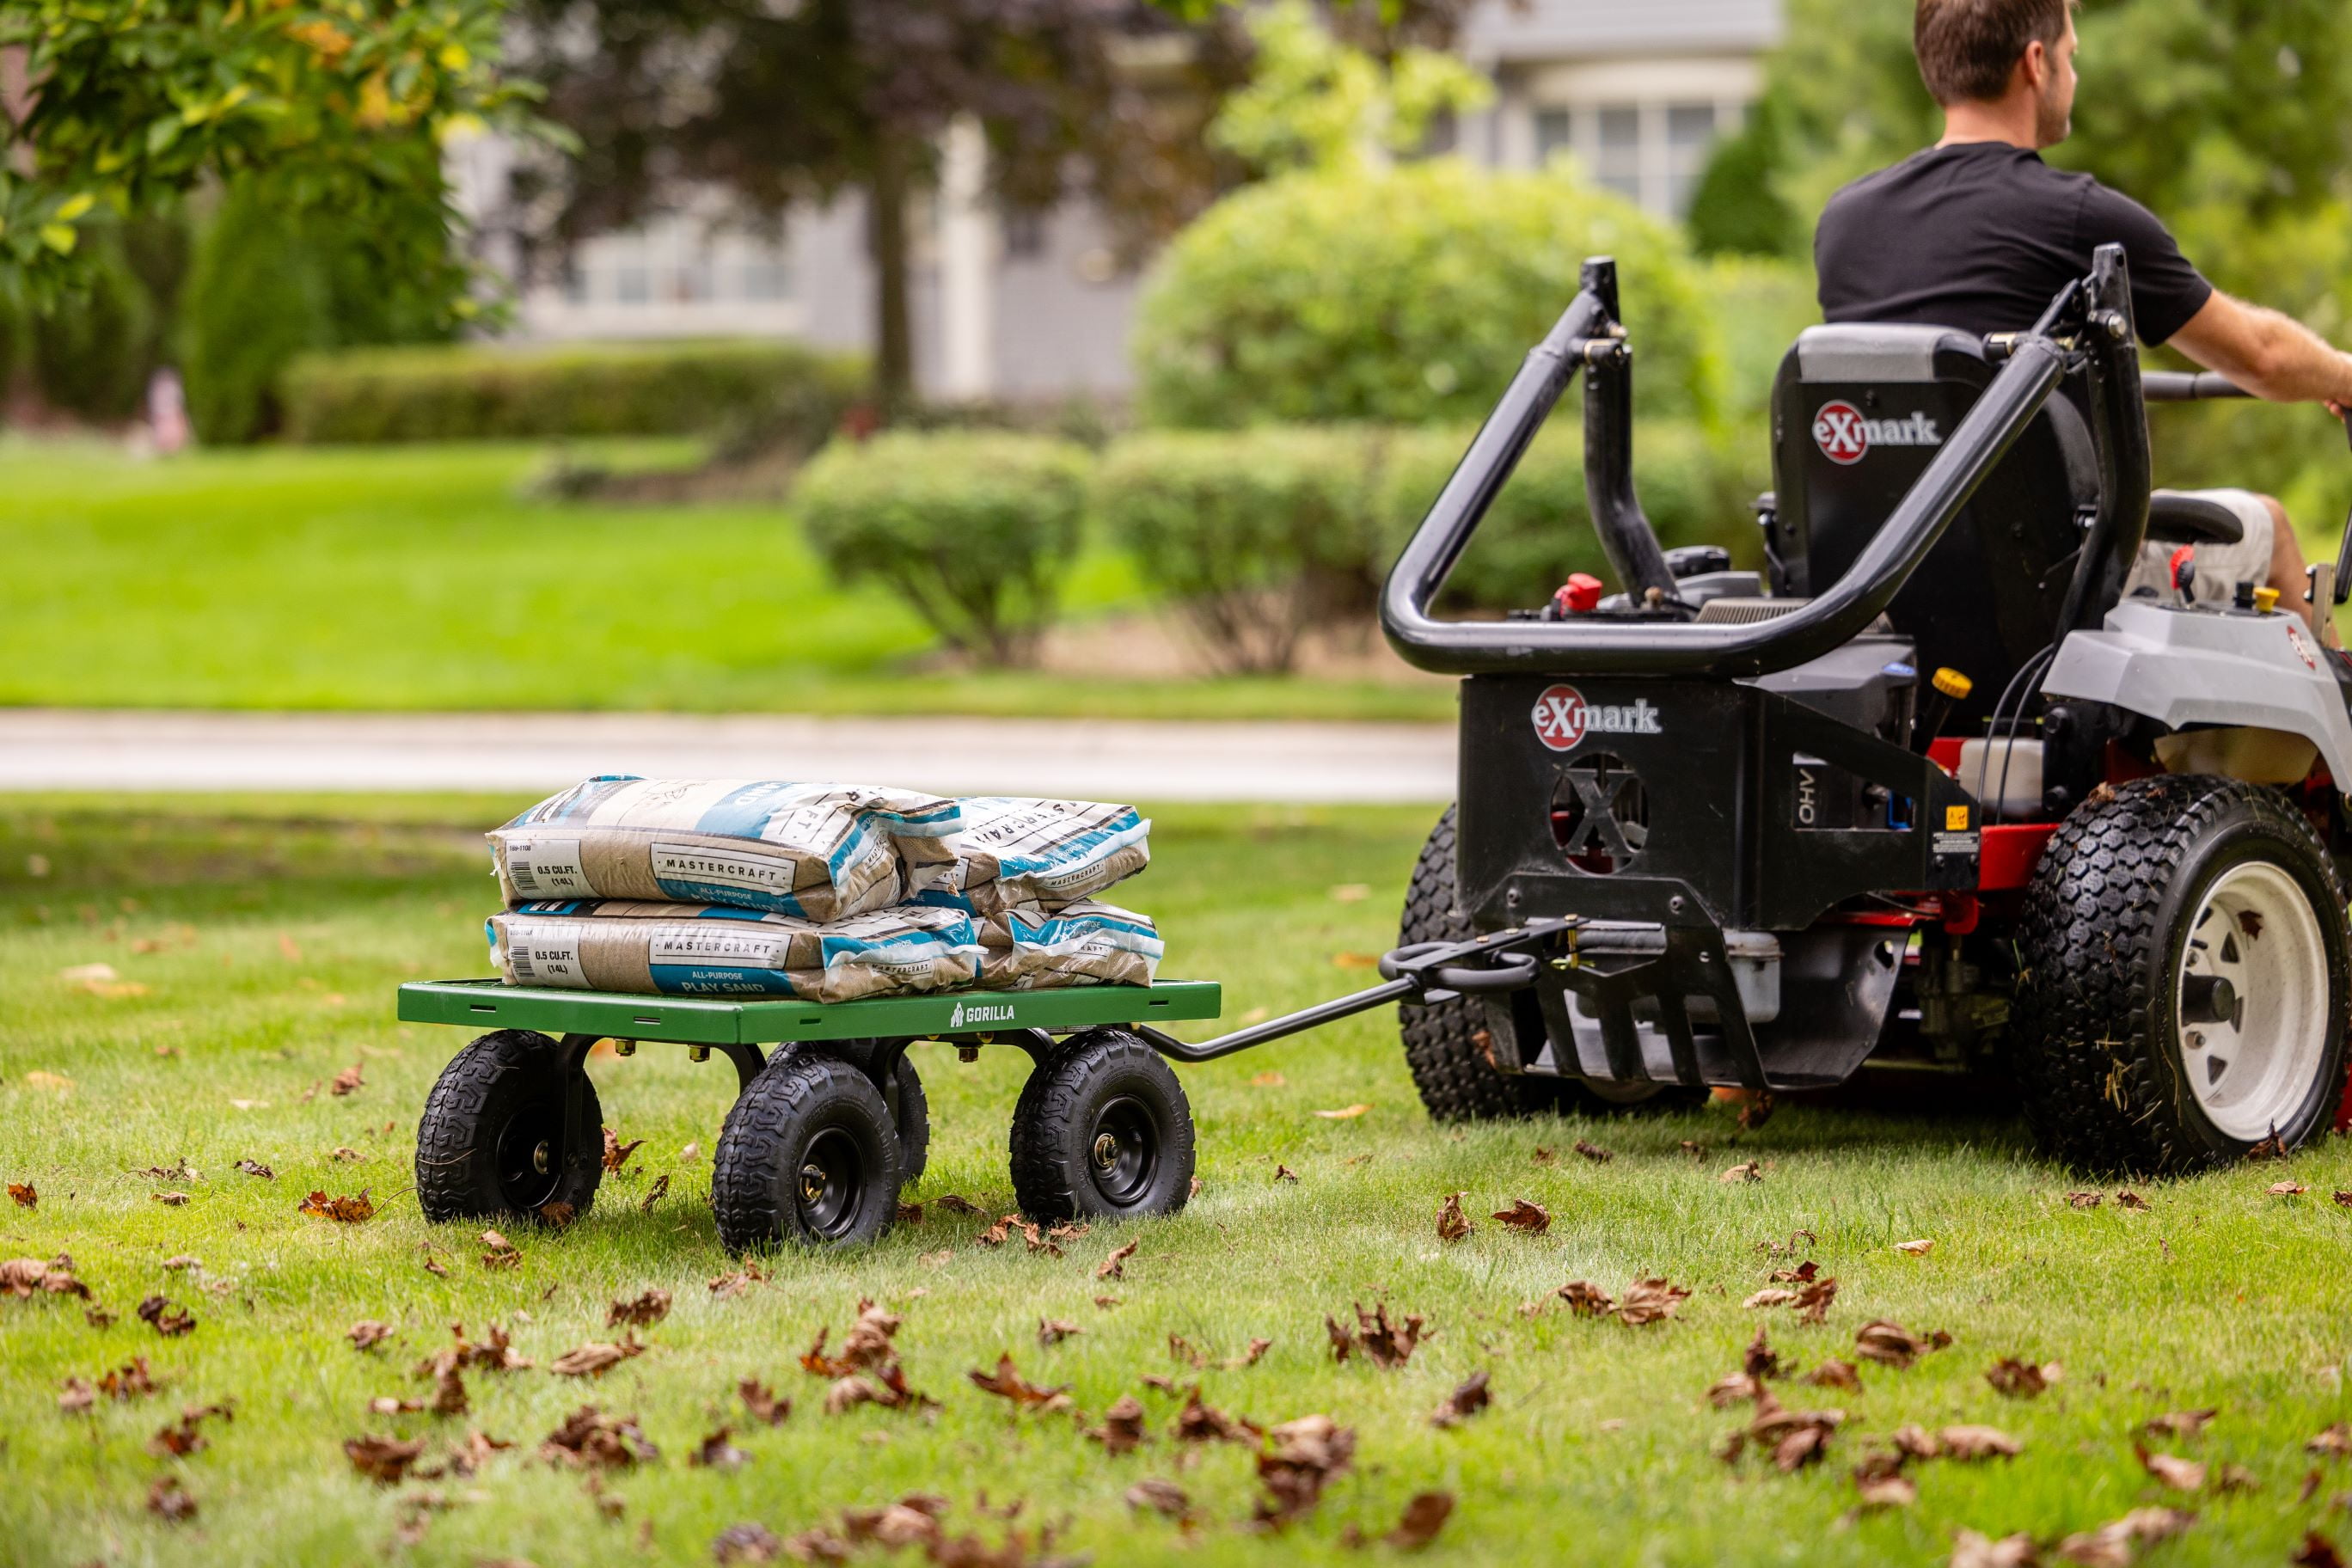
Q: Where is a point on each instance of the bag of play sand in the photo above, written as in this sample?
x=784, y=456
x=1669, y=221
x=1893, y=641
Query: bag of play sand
x=818, y=850
x=1004, y=851
x=1085, y=943
x=688, y=950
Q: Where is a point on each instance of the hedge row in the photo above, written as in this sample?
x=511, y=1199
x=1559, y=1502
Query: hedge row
x=1258, y=533
x=456, y=392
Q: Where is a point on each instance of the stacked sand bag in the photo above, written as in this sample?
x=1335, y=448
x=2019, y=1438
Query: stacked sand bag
x=815, y=891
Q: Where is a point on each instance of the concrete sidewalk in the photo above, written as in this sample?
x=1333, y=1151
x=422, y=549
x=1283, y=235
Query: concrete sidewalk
x=66, y=749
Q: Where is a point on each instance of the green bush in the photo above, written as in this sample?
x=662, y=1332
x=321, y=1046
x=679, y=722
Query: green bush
x=452, y=392
x=973, y=529
x=254, y=299
x=1539, y=530
x=1256, y=534
x=92, y=354
x=1408, y=296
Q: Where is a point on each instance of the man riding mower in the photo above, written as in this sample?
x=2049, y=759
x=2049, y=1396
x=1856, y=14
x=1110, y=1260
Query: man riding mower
x=1948, y=796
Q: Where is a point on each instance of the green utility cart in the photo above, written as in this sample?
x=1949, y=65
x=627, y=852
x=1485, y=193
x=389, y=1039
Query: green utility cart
x=825, y=1133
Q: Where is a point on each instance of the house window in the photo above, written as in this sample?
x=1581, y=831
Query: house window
x=766, y=282
x=1651, y=152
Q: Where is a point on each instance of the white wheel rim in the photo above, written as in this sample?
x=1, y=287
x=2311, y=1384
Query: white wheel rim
x=2251, y=1065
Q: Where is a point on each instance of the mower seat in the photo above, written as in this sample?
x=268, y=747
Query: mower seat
x=1858, y=412
x=2181, y=517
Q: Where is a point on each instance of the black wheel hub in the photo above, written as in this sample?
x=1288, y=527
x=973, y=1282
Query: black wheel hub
x=830, y=1187
x=529, y=1160
x=1123, y=1152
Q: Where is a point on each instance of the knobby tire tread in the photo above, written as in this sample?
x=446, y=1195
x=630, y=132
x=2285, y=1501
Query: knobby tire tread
x=743, y=1185
x=451, y=1147
x=1054, y=1096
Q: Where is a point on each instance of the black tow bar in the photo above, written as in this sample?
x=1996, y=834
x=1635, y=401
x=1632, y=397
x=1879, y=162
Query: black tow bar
x=1422, y=972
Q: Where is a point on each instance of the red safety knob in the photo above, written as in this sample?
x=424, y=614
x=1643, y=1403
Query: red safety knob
x=1581, y=594
x=2184, y=570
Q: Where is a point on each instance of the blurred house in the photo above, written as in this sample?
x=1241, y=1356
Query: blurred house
x=1038, y=306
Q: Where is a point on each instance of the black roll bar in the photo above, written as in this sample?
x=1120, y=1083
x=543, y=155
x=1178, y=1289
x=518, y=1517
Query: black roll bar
x=1589, y=336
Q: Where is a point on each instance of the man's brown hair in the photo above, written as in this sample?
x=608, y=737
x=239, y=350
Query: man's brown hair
x=1967, y=48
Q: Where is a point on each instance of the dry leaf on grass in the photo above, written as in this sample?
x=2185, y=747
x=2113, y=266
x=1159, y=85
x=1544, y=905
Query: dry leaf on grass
x=344, y=1155
x=595, y=1359
x=1649, y=1301
x=1424, y=1515
x=129, y=1380
x=763, y=1402
x=1586, y=1300
x=181, y=1438
x=170, y=1200
x=498, y=1252
x=1970, y=1549
x=645, y=1308
x=1834, y=1373
x=384, y=1460
x=24, y=1195
x=2181, y=1475
x=1966, y=1442
x=2128, y=1199
x=1453, y=1224
x=1747, y=1170
x=1542, y=1156
x=1054, y=1330
x=1307, y=1455
x=1773, y=1296
x=1469, y=1397
x=1202, y=1423
x=343, y=1210
x=716, y=1453
x=2180, y=1423
x=1384, y=1343
x=170, y=1501
x=1115, y=1266
x=1793, y=1439
x=655, y=1194
x=1007, y=1384
x=1525, y=1216
x=2019, y=1379
x=2114, y=1545
x=1105, y=1303
x=348, y=1081
x=616, y=1153
x=955, y=1204
x=2335, y=1442
x=76, y=1396
x=2286, y=1189
x=1894, y=1345
x=166, y=1317
x=1813, y=1301
x=2316, y=1552
x=589, y=1440
x=21, y=1277
x=1285, y=1174
x=2085, y=1200
x=1594, y=1152
x=1160, y=1497
x=1919, y=1248
x=1122, y=1427
x=748, y=1543
x=1344, y=1113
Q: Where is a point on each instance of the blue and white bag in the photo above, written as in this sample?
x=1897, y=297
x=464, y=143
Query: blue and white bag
x=822, y=851
x=687, y=950
x=1085, y=943
x=1004, y=852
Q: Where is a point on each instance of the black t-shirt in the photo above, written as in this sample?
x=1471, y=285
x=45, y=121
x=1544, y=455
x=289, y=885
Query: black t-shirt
x=1980, y=236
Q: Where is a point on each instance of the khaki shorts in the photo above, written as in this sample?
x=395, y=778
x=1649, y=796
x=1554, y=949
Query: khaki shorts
x=2219, y=567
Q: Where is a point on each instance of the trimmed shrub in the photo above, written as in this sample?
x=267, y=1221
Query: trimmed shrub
x=973, y=529
x=1539, y=529
x=255, y=298
x=90, y=354
x=1405, y=296
x=456, y=392
x=1256, y=534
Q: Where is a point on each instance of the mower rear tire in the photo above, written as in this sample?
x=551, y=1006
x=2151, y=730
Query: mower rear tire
x=1102, y=1132
x=808, y=1157
x=492, y=1141
x=2184, y=980
x=1446, y=1044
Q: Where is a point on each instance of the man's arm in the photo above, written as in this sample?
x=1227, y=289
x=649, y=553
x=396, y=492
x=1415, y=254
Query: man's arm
x=2271, y=354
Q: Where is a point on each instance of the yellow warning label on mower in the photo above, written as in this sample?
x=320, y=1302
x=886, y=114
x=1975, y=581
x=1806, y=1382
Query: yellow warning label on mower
x=1956, y=819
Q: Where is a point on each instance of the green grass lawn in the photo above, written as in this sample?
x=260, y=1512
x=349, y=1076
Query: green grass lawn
x=255, y=945
x=427, y=577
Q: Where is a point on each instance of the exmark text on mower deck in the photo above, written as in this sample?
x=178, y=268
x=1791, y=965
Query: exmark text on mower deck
x=1706, y=834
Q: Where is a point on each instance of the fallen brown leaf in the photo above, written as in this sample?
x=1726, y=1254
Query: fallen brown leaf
x=2019, y=1379
x=1007, y=1384
x=170, y=1501
x=2085, y=1200
x=2335, y=1442
x=1307, y=1454
x=76, y=1396
x=2181, y=1475
x=753, y=1543
x=616, y=1153
x=1424, y=1515
x=24, y=1195
x=166, y=1317
x=1919, y=1248
x=2316, y=1552
x=1105, y=1303
x=955, y=1204
x=589, y=1440
x=1469, y=1398
x=1115, y=1266
x=170, y=1200
x=1771, y=1296
x=1834, y=1373
x=348, y=1082
x=1586, y=1300
x=2179, y=1422
x=343, y=1210
x=1747, y=1170
x=1885, y=1491
x=725, y=1285
x=1524, y=1215
x=1594, y=1152
x=1977, y=1443
x=21, y=1277
x=716, y=1453
x=1344, y=1113
x=182, y=1438
x=1122, y=1427
x=1894, y=1345
x=645, y=1308
x=1160, y=1497
x=129, y=1380
x=2286, y=1189
x=1054, y=1330
x=1971, y=1549
x=1813, y=1301
x=763, y=1402
x=1795, y=1438
x=498, y=1252
x=384, y=1460
x=1542, y=1156
x=595, y=1359
x=2128, y=1199
x=1202, y=1423
x=1649, y=1301
x=2113, y=1545
x=655, y=1194
x=1384, y=1343
x=1453, y=1224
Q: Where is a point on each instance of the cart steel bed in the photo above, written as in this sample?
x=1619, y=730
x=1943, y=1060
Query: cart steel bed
x=821, y=1136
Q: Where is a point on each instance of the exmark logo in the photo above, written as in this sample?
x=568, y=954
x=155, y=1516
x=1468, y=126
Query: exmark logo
x=1563, y=718
x=980, y=1013
x=1845, y=438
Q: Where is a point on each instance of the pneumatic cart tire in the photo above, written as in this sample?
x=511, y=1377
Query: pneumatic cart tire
x=1445, y=1042
x=808, y=1156
x=2184, y=979
x=492, y=1145
x=910, y=1115
x=1102, y=1132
